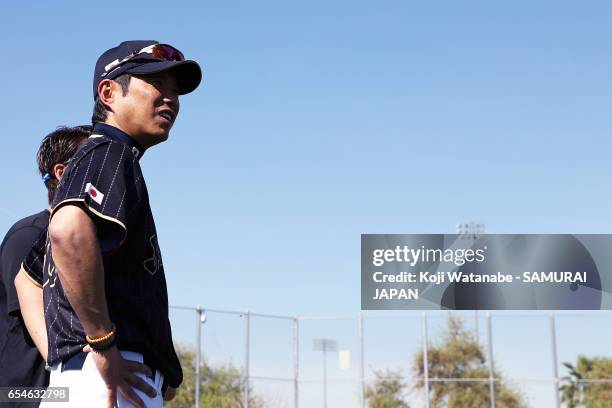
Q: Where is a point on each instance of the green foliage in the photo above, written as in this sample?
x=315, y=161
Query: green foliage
x=386, y=391
x=220, y=387
x=459, y=356
x=588, y=394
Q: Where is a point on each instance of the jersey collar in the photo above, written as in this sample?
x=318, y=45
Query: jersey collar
x=118, y=134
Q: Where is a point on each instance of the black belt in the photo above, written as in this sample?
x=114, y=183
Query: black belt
x=77, y=361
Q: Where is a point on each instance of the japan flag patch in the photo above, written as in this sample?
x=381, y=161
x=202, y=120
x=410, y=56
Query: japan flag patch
x=94, y=193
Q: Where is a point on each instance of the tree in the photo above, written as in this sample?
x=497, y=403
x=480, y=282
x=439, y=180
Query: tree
x=386, y=390
x=219, y=386
x=577, y=392
x=459, y=356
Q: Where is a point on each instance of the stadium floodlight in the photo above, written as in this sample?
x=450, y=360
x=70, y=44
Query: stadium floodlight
x=325, y=345
x=471, y=230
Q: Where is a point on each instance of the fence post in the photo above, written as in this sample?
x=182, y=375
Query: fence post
x=425, y=361
x=553, y=340
x=476, y=334
x=296, y=360
x=247, y=346
x=198, y=354
x=491, y=378
x=361, y=362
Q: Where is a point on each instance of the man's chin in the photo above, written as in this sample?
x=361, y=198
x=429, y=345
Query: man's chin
x=151, y=139
x=159, y=137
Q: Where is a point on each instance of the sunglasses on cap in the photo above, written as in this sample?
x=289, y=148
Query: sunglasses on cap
x=162, y=52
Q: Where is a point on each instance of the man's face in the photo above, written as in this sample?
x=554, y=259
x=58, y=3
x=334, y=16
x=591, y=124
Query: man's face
x=149, y=108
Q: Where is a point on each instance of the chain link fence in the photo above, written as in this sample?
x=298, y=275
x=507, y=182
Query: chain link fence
x=280, y=365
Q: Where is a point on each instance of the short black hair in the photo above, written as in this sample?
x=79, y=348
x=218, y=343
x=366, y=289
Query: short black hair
x=58, y=147
x=100, y=113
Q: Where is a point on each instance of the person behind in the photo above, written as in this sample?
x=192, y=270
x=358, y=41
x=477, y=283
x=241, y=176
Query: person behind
x=21, y=364
x=107, y=288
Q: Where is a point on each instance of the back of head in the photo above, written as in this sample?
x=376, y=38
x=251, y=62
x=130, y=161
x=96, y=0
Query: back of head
x=58, y=147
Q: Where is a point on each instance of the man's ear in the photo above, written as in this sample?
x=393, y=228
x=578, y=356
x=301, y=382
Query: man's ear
x=106, y=92
x=58, y=171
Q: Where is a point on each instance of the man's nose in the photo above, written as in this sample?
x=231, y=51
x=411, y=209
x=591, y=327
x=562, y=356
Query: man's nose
x=171, y=98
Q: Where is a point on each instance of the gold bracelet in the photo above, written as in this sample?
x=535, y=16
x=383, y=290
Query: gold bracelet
x=100, y=339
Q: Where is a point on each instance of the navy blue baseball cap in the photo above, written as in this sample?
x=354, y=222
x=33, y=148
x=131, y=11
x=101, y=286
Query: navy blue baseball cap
x=147, y=57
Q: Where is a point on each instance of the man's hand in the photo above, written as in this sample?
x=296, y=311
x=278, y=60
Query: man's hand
x=119, y=374
x=170, y=394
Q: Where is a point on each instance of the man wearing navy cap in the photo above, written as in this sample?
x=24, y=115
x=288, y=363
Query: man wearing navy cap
x=107, y=290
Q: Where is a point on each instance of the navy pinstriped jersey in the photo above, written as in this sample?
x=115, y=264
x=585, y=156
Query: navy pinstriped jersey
x=34, y=261
x=104, y=178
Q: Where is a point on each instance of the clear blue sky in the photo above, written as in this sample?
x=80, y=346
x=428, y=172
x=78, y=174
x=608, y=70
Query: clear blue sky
x=318, y=121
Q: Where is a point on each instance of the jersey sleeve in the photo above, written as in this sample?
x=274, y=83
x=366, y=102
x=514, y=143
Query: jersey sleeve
x=12, y=255
x=34, y=260
x=102, y=179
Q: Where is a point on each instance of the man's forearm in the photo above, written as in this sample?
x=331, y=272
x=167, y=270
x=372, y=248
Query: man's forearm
x=78, y=261
x=31, y=306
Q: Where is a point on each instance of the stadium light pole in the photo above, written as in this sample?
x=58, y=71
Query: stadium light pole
x=472, y=231
x=325, y=345
x=425, y=360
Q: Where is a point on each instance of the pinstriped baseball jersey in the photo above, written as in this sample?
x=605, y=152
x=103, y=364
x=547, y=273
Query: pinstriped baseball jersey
x=104, y=178
x=33, y=262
